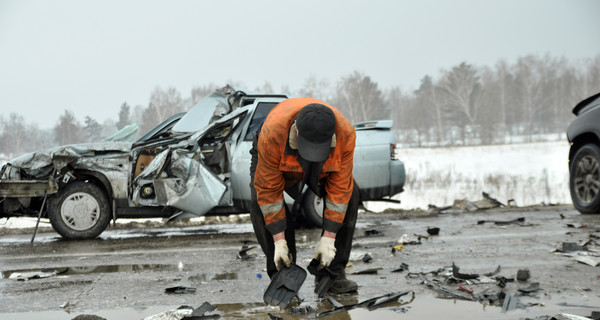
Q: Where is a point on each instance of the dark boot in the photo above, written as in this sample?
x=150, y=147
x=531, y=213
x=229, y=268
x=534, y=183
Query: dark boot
x=343, y=285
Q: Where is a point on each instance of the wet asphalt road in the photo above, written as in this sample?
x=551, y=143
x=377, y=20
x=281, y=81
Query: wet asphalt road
x=124, y=274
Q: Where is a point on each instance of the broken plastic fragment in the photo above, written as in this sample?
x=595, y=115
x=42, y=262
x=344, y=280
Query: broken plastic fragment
x=518, y=221
x=180, y=289
x=433, y=231
x=533, y=287
x=523, y=275
x=510, y=303
x=373, y=233
x=284, y=286
x=400, y=268
x=462, y=276
x=325, y=277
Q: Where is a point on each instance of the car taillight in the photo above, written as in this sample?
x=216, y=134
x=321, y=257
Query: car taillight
x=393, y=154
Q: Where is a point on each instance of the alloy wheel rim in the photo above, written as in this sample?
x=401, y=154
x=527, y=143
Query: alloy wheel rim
x=587, y=179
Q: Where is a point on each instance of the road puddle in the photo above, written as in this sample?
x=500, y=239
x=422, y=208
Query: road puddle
x=424, y=307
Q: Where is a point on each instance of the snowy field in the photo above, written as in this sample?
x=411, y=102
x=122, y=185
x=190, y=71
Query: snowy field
x=528, y=173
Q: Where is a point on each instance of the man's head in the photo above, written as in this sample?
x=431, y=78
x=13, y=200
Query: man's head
x=316, y=125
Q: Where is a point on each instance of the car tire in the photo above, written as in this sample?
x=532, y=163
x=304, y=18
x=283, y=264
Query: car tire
x=80, y=211
x=312, y=209
x=585, y=179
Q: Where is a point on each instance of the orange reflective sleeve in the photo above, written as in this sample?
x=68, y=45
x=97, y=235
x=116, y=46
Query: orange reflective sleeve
x=340, y=185
x=269, y=184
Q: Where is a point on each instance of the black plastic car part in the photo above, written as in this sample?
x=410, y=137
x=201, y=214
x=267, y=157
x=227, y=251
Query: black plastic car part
x=284, y=286
x=325, y=277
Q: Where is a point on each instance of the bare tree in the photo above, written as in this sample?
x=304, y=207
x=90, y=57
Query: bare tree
x=163, y=104
x=316, y=88
x=359, y=98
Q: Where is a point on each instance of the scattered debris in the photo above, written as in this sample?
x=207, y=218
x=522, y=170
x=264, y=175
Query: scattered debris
x=571, y=246
x=591, y=261
x=523, y=275
x=400, y=268
x=199, y=313
x=465, y=289
x=44, y=273
x=370, y=304
x=367, y=258
x=433, y=231
x=284, y=286
x=576, y=225
x=303, y=310
x=180, y=289
x=243, y=253
x=373, y=233
x=272, y=317
x=493, y=273
x=533, y=287
x=175, y=314
x=397, y=247
x=469, y=206
x=358, y=256
x=406, y=239
x=368, y=271
x=64, y=305
x=462, y=276
x=445, y=290
x=518, y=221
x=510, y=303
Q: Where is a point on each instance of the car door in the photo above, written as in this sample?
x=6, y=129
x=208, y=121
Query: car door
x=240, y=173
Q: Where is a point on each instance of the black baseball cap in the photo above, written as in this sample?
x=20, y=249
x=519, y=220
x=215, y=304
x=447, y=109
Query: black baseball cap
x=316, y=126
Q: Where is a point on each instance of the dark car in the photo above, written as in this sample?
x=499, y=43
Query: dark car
x=584, y=156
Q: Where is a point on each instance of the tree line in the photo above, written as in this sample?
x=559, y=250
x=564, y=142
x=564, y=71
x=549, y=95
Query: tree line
x=526, y=100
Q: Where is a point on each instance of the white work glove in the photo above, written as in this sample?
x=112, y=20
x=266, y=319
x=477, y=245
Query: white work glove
x=282, y=254
x=326, y=251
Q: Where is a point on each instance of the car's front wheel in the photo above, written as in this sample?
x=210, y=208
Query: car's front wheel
x=585, y=179
x=80, y=211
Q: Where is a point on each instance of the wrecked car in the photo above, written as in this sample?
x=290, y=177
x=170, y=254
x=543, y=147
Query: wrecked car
x=192, y=164
x=584, y=155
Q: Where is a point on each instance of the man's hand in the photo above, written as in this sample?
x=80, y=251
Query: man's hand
x=326, y=251
x=282, y=254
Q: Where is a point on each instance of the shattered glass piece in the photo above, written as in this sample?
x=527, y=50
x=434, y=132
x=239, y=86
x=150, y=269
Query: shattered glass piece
x=445, y=290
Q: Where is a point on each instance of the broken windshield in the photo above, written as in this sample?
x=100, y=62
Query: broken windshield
x=214, y=105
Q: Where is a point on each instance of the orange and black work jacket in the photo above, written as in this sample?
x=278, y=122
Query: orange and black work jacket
x=278, y=167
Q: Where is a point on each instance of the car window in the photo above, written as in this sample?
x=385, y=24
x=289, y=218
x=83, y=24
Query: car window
x=203, y=113
x=258, y=118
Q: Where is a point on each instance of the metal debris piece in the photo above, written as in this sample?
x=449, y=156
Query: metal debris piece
x=533, y=287
x=510, y=303
x=465, y=289
x=400, y=268
x=571, y=246
x=493, y=273
x=594, y=262
x=523, y=274
x=445, y=290
x=204, y=308
x=334, y=302
x=462, y=276
x=373, y=233
x=370, y=304
x=180, y=289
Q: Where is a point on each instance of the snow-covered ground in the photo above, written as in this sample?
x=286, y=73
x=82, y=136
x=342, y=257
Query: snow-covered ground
x=529, y=173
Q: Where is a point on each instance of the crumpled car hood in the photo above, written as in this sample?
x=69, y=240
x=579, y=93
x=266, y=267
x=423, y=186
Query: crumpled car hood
x=37, y=162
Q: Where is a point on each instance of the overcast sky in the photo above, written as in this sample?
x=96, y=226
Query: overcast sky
x=91, y=56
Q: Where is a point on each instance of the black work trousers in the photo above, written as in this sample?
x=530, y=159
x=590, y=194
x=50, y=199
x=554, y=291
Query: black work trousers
x=343, y=240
